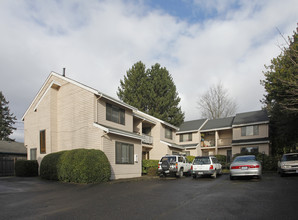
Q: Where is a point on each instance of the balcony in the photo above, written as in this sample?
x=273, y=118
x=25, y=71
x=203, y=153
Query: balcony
x=224, y=142
x=146, y=139
x=208, y=143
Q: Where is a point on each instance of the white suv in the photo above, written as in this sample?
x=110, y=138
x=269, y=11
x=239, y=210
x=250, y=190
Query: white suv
x=174, y=164
x=206, y=165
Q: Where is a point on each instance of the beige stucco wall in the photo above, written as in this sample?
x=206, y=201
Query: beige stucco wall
x=122, y=170
x=263, y=132
x=101, y=116
x=67, y=115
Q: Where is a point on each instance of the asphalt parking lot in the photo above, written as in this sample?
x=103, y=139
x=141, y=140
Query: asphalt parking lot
x=272, y=197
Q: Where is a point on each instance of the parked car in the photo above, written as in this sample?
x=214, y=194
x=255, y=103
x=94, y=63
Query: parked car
x=245, y=166
x=174, y=165
x=288, y=164
x=206, y=165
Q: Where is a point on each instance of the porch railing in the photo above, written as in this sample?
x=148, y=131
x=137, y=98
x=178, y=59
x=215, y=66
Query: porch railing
x=146, y=139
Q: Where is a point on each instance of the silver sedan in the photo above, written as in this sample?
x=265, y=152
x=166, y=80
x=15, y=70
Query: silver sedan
x=245, y=166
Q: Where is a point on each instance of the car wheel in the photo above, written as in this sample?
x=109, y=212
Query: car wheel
x=231, y=177
x=281, y=174
x=194, y=176
x=180, y=173
x=214, y=174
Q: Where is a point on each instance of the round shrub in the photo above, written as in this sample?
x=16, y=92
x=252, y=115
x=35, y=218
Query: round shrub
x=151, y=165
x=83, y=166
x=26, y=168
x=49, y=166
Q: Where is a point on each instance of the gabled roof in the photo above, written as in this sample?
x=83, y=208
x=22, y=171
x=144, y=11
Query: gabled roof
x=194, y=125
x=96, y=92
x=250, y=118
x=218, y=124
x=11, y=147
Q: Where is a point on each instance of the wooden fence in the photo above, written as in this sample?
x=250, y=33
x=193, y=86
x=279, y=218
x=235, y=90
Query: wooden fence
x=7, y=166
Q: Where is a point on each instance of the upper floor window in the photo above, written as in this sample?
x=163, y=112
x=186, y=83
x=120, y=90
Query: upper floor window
x=115, y=114
x=42, y=141
x=168, y=133
x=185, y=137
x=250, y=130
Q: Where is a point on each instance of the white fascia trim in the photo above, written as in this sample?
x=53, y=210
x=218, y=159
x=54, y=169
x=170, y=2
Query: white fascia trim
x=216, y=129
x=249, y=124
x=185, y=132
x=101, y=127
x=138, y=137
x=96, y=92
x=43, y=95
x=144, y=119
x=203, y=124
x=112, y=131
x=156, y=119
x=171, y=145
x=53, y=82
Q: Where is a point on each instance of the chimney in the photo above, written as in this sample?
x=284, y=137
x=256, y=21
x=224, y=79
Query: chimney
x=63, y=72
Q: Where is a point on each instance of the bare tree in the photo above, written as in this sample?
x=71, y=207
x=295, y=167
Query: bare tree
x=216, y=103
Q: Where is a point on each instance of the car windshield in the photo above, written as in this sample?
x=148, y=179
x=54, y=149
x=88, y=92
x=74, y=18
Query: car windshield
x=244, y=159
x=170, y=159
x=290, y=157
x=201, y=160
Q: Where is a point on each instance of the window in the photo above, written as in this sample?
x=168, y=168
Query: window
x=250, y=150
x=124, y=153
x=185, y=137
x=250, y=130
x=168, y=133
x=33, y=154
x=115, y=114
x=42, y=141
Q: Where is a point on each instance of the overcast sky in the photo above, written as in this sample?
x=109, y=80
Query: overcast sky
x=200, y=43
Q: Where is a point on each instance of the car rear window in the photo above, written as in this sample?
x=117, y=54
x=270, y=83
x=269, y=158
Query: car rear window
x=291, y=157
x=244, y=159
x=170, y=159
x=201, y=160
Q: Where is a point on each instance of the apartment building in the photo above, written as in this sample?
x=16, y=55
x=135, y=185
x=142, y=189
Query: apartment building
x=66, y=114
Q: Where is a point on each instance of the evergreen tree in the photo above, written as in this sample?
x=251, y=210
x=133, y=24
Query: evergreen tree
x=7, y=120
x=152, y=91
x=281, y=98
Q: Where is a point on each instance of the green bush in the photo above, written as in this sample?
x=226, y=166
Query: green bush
x=150, y=167
x=49, y=166
x=84, y=166
x=77, y=166
x=223, y=161
x=190, y=158
x=26, y=168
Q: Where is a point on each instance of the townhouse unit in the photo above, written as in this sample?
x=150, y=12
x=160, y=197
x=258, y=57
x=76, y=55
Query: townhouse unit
x=245, y=132
x=66, y=114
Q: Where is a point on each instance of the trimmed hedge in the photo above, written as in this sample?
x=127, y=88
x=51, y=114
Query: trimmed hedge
x=76, y=166
x=26, y=168
x=49, y=166
x=150, y=167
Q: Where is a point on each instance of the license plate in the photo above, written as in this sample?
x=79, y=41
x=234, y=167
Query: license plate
x=244, y=168
x=200, y=173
